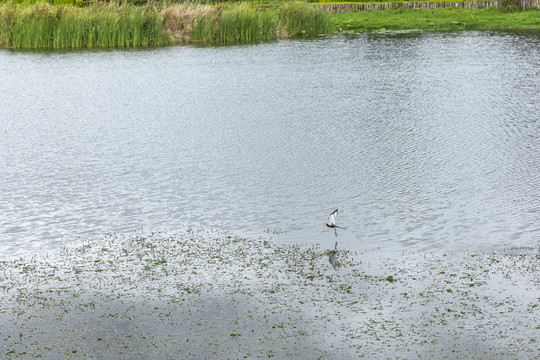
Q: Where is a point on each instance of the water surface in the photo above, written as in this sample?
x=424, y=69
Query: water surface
x=425, y=141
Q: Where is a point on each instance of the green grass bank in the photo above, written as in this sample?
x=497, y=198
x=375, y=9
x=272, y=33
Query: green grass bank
x=447, y=19
x=45, y=25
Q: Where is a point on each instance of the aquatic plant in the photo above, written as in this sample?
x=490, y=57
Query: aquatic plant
x=243, y=23
x=42, y=25
x=101, y=25
x=179, y=19
x=234, y=23
x=300, y=19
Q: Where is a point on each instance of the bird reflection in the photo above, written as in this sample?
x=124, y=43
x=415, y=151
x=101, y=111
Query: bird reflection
x=332, y=257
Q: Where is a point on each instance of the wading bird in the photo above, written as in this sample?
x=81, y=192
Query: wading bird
x=332, y=219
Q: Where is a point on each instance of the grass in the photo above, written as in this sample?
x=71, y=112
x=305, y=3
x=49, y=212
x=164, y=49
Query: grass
x=300, y=19
x=231, y=23
x=41, y=25
x=234, y=23
x=448, y=19
x=103, y=25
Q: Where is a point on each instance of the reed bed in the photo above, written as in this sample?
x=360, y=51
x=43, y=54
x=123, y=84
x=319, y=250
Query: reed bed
x=243, y=22
x=102, y=25
x=42, y=25
x=235, y=23
x=301, y=19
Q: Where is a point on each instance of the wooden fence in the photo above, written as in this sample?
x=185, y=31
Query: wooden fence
x=423, y=5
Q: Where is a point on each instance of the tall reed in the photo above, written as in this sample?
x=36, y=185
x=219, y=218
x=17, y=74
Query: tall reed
x=234, y=23
x=243, y=22
x=300, y=19
x=45, y=26
x=42, y=25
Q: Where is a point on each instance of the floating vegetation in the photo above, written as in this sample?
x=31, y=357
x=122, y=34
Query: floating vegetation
x=211, y=294
x=274, y=231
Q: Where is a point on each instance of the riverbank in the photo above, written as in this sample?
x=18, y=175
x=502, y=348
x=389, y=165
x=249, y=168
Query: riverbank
x=447, y=19
x=211, y=294
x=45, y=26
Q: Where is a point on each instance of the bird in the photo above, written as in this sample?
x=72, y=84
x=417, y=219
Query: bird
x=332, y=219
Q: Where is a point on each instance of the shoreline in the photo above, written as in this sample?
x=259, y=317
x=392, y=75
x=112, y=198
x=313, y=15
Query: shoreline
x=208, y=293
x=44, y=26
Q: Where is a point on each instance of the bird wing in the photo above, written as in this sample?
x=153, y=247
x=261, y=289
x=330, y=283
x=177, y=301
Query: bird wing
x=332, y=218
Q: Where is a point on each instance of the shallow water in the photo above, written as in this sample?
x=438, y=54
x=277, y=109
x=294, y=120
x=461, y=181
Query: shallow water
x=424, y=141
x=207, y=294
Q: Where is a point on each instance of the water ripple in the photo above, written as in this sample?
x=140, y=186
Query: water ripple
x=419, y=140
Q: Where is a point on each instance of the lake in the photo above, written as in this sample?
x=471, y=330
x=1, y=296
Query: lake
x=423, y=142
